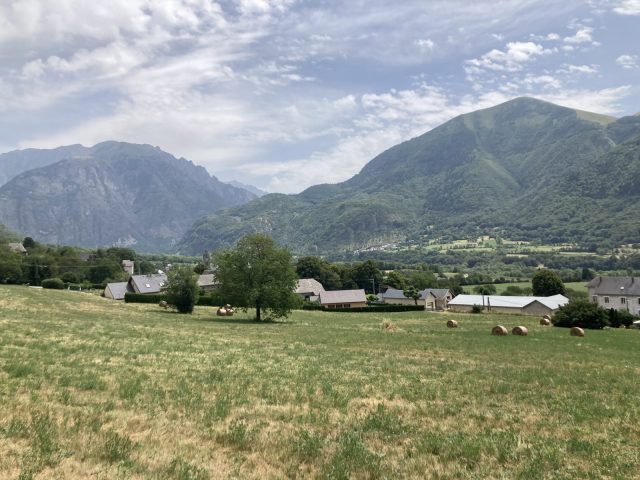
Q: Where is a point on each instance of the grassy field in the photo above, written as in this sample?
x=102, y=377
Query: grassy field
x=501, y=287
x=91, y=388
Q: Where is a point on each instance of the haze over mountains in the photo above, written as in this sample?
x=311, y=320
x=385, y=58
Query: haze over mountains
x=110, y=194
x=524, y=169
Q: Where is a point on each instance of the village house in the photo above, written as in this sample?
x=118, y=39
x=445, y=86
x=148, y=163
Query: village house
x=116, y=290
x=208, y=282
x=17, y=247
x=619, y=293
x=430, y=298
x=343, y=299
x=508, y=304
x=309, y=289
x=151, y=283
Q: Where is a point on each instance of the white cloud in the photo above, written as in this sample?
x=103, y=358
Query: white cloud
x=425, y=44
x=511, y=59
x=628, y=7
x=582, y=35
x=628, y=62
x=581, y=69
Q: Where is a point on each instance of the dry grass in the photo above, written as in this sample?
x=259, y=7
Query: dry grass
x=91, y=388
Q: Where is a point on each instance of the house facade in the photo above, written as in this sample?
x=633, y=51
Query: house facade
x=619, y=293
x=343, y=299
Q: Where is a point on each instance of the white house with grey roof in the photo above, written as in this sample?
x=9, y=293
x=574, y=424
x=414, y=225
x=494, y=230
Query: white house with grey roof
x=430, y=298
x=151, y=283
x=619, y=293
x=343, y=299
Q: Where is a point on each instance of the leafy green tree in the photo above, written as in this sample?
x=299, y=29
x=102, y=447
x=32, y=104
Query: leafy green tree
x=412, y=292
x=10, y=265
x=485, y=289
x=422, y=280
x=546, y=283
x=366, y=274
x=182, y=289
x=28, y=242
x=257, y=273
x=318, y=268
x=581, y=314
x=396, y=279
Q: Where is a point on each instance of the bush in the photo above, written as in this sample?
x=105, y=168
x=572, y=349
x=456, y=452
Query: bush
x=182, y=289
x=53, y=283
x=476, y=309
x=131, y=297
x=619, y=318
x=581, y=314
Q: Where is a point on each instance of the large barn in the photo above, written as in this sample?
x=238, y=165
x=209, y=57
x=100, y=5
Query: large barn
x=507, y=304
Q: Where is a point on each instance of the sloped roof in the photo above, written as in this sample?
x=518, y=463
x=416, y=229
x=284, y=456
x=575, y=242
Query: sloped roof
x=207, y=280
x=17, y=247
x=309, y=285
x=436, y=292
x=553, y=302
x=342, y=296
x=118, y=289
x=151, y=283
x=615, y=285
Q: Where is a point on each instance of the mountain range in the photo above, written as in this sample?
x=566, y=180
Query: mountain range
x=113, y=193
x=525, y=169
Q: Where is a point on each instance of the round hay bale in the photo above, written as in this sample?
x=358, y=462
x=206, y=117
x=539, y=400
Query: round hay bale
x=222, y=312
x=576, y=332
x=545, y=321
x=163, y=304
x=499, y=330
x=229, y=312
x=547, y=317
x=520, y=330
x=452, y=324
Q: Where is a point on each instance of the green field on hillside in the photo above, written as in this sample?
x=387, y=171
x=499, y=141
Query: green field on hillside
x=501, y=287
x=91, y=388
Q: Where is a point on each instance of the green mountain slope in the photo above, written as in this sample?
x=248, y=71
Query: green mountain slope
x=525, y=169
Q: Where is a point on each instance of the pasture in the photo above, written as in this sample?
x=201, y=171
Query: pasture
x=91, y=388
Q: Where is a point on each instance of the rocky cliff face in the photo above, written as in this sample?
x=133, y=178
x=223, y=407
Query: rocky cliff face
x=114, y=194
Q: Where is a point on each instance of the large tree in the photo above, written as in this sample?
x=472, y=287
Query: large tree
x=257, y=273
x=182, y=289
x=546, y=283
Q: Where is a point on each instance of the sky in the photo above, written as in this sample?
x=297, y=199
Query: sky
x=285, y=94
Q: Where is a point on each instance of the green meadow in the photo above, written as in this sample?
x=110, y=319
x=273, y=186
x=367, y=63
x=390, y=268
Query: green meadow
x=91, y=388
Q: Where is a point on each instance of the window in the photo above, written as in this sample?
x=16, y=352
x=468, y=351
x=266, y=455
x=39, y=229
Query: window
x=606, y=299
x=623, y=300
x=595, y=299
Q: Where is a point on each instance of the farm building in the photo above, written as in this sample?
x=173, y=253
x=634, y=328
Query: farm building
x=116, y=291
x=151, y=283
x=619, y=293
x=309, y=289
x=430, y=298
x=17, y=248
x=506, y=304
x=343, y=299
x=208, y=282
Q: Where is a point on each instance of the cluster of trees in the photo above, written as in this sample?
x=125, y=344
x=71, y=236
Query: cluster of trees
x=70, y=265
x=586, y=314
x=369, y=274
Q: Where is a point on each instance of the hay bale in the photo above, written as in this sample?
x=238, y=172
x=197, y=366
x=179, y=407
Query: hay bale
x=222, y=312
x=520, y=330
x=163, y=304
x=576, y=332
x=230, y=311
x=547, y=317
x=499, y=330
x=452, y=324
x=545, y=321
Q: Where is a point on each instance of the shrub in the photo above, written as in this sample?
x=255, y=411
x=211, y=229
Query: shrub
x=476, y=309
x=581, y=314
x=131, y=297
x=182, y=289
x=53, y=283
x=619, y=318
